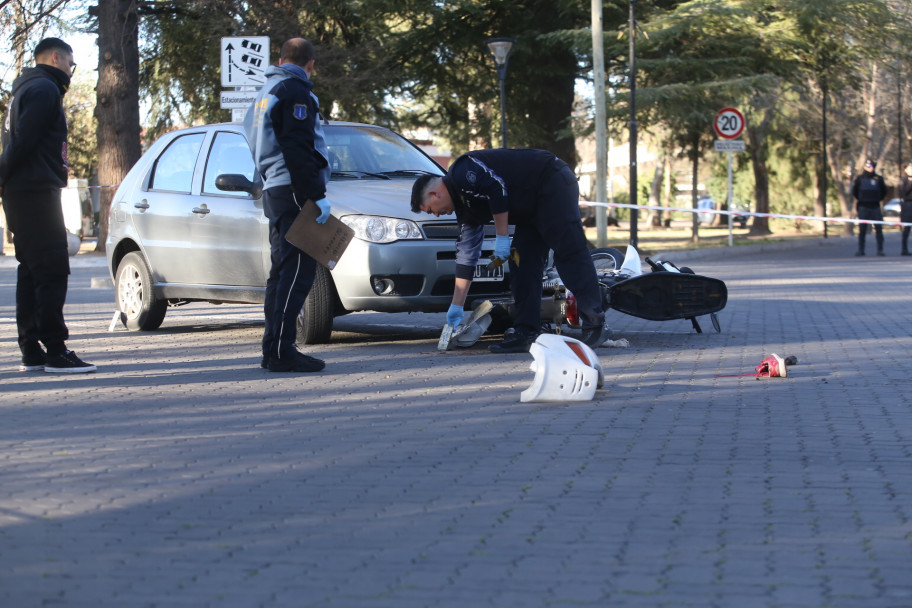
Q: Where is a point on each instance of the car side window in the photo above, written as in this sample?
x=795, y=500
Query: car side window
x=173, y=170
x=229, y=154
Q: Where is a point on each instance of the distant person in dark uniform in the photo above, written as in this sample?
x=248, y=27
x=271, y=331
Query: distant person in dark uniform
x=33, y=169
x=905, y=206
x=869, y=190
x=537, y=193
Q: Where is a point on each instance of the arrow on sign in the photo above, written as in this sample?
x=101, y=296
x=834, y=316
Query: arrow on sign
x=244, y=60
x=230, y=48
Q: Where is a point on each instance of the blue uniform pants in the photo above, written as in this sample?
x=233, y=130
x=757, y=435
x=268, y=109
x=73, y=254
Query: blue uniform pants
x=554, y=225
x=290, y=277
x=873, y=214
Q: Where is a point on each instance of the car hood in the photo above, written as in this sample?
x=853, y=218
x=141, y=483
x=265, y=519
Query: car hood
x=388, y=198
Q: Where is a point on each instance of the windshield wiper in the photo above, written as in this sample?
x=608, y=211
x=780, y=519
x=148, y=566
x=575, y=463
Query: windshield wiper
x=359, y=174
x=408, y=172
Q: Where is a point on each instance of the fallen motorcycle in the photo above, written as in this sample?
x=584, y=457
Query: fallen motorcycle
x=664, y=294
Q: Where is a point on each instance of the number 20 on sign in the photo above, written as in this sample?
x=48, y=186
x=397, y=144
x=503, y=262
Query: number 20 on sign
x=729, y=123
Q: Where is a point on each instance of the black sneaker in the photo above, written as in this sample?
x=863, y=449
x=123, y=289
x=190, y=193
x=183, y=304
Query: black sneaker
x=33, y=360
x=515, y=341
x=264, y=362
x=67, y=363
x=595, y=336
x=859, y=253
x=299, y=362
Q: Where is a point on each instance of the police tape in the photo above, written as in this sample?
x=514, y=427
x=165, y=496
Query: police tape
x=808, y=218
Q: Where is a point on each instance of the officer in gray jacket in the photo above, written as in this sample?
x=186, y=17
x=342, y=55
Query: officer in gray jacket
x=289, y=150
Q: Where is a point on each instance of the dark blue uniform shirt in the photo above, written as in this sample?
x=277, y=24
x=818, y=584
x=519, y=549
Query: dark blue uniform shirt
x=485, y=182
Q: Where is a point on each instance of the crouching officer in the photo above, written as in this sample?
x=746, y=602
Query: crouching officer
x=537, y=193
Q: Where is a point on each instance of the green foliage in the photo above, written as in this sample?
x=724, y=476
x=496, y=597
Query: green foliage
x=79, y=103
x=771, y=58
x=695, y=60
x=455, y=85
x=25, y=23
x=181, y=68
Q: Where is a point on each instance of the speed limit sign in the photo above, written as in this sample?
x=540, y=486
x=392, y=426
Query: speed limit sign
x=729, y=123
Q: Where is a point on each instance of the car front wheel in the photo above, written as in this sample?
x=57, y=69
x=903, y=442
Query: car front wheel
x=133, y=289
x=315, y=321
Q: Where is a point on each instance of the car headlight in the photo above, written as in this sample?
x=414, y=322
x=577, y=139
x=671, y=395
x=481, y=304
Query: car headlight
x=375, y=229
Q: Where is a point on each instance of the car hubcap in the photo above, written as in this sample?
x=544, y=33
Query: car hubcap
x=130, y=291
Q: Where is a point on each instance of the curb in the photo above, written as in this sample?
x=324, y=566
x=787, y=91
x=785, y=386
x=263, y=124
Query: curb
x=91, y=260
x=710, y=253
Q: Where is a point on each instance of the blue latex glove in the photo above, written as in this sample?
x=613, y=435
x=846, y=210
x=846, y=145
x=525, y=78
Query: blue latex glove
x=502, y=247
x=323, y=204
x=454, y=315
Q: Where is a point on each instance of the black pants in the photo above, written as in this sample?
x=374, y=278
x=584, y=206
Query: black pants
x=905, y=215
x=873, y=214
x=290, y=277
x=36, y=220
x=555, y=225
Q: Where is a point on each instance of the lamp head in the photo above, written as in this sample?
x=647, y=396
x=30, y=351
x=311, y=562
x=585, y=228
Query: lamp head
x=500, y=49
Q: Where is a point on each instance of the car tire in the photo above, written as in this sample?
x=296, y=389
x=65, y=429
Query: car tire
x=135, y=298
x=315, y=321
x=606, y=258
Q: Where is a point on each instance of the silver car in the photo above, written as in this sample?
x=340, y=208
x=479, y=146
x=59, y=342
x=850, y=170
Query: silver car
x=187, y=225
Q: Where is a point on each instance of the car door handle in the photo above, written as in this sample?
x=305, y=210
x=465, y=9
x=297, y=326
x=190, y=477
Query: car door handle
x=141, y=205
x=201, y=210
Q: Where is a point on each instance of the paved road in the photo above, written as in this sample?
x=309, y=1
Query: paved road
x=181, y=474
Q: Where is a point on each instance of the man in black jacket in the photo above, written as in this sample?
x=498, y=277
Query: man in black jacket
x=538, y=194
x=869, y=190
x=33, y=169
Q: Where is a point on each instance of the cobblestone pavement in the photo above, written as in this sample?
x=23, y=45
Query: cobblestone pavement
x=182, y=474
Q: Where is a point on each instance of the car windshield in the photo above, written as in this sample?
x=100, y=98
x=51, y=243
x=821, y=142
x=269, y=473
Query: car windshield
x=357, y=152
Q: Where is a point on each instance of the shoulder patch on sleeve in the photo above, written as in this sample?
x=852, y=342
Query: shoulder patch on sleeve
x=300, y=111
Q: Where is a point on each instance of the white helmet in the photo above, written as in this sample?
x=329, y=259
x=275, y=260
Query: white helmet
x=565, y=370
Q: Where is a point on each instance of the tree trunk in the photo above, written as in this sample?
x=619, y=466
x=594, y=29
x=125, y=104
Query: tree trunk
x=552, y=112
x=655, y=193
x=117, y=108
x=757, y=151
x=838, y=159
x=870, y=117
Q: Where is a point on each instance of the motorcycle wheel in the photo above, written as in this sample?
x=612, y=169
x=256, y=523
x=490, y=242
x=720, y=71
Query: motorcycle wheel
x=606, y=259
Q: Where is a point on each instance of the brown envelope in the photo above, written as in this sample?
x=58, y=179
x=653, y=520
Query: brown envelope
x=323, y=242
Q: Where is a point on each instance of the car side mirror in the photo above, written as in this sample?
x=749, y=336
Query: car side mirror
x=235, y=182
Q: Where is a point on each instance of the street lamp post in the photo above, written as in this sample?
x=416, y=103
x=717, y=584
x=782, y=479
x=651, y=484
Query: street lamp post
x=634, y=215
x=500, y=48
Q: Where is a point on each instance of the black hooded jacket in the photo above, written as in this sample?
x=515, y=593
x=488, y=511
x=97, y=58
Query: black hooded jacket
x=34, y=133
